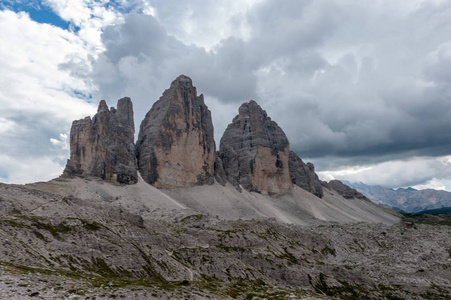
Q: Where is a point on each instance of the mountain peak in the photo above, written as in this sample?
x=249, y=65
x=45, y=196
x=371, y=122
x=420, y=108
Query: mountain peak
x=255, y=152
x=175, y=146
x=184, y=80
x=102, y=106
x=252, y=109
x=103, y=147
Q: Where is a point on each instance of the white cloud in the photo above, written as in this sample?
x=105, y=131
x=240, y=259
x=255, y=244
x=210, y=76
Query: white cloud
x=21, y=170
x=353, y=84
x=435, y=184
x=90, y=16
x=62, y=142
x=6, y=125
x=419, y=172
x=37, y=97
x=204, y=23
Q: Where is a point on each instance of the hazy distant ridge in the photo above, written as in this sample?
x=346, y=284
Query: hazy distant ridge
x=407, y=200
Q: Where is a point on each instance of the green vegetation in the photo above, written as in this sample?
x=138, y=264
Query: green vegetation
x=441, y=219
x=327, y=250
x=287, y=256
x=94, y=226
x=438, y=211
x=344, y=291
x=231, y=248
x=55, y=230
x=245, y=289
x=34, y=223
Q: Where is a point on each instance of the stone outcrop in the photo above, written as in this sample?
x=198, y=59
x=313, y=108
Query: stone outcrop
x=103, y=146
x=304, y=176
x=255, y=151
x=176, y=146
x=344, y=190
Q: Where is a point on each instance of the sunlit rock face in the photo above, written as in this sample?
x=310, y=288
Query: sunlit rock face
x=255, y=152
x=175, y=146
x=103, y=146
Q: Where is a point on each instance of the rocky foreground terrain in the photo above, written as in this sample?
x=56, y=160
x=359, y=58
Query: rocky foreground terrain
x=172, y=218
x=61, y=246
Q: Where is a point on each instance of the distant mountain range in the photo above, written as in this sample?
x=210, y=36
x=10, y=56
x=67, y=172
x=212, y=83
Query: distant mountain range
x=406, y=200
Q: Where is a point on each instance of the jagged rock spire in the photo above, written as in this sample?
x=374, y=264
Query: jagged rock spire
x=255, y=151
x=103, y=147
x=175, y=146
x=304, y=176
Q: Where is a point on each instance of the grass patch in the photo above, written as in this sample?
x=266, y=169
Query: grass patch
x=327, y=250
x=344, y=291
x=440, y=219
x=288, y=256
x=231, y=248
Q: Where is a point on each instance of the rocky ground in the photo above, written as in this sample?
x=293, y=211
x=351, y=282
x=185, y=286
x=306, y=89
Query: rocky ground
x=56, y=246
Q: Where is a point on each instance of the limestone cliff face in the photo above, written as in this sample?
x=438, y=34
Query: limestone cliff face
x=304, y=176
x=255, y=152
x=103, y=146
x=175, y=146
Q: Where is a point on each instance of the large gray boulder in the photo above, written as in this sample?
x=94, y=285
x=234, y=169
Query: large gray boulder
x=103, y=146
x=255, y=151
x=175, y=146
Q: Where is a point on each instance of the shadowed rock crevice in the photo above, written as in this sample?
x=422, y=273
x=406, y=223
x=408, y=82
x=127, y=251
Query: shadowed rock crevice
x=103, y=146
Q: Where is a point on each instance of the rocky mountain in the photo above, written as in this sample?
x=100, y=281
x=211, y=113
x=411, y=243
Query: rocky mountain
x=304, y=176
x=255, y=151
x=407, y=200
x=175, y=146
x=103, y=146
x=346, y=191
x=252, y=221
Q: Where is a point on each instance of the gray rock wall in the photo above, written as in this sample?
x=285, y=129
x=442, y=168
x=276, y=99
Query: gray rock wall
x=103, y=146
x=304, y=176
x=175, y=146
x=254, y=152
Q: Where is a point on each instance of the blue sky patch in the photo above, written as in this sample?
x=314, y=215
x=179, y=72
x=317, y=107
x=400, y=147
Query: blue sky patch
x=38, y=12
x=82, y=95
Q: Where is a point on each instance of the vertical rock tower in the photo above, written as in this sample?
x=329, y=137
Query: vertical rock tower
x=304, y=176
x=103, y=147
x=175, y=146
x=255, y=152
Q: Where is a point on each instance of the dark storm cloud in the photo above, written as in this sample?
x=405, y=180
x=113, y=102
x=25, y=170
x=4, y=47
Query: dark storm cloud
x=350, y=83
x=141, y=60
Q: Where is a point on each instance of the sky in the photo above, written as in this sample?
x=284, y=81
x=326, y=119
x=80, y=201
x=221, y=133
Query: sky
x=362, y=89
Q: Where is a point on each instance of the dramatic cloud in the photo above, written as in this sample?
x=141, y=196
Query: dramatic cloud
x=361, y=89
x=38, y=101
x=414, y=171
